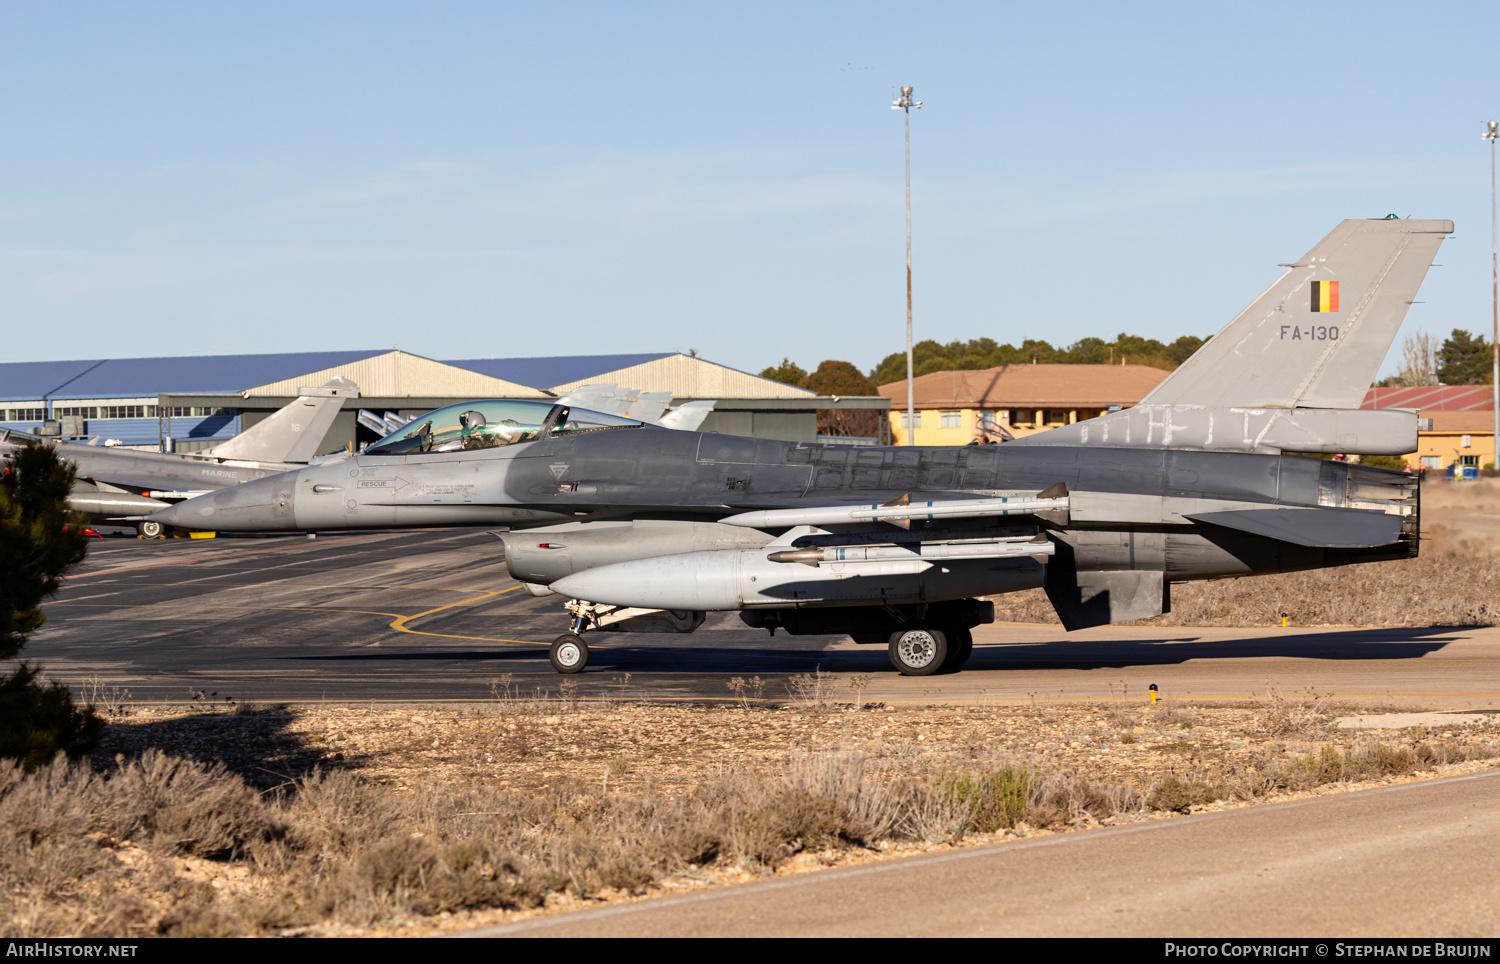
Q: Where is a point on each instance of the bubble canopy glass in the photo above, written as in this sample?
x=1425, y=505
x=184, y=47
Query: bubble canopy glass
x=492, y=423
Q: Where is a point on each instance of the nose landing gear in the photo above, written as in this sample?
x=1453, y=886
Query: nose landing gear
x=569, y=653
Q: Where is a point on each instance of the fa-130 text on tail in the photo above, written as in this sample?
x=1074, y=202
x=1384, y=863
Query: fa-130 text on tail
x=646, y=529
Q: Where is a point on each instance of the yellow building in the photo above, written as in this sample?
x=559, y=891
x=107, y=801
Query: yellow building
x=1467, y=438
x=956, y=407
x=1463, y=423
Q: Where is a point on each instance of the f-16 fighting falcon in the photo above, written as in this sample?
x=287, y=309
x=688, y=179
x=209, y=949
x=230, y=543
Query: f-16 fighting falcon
x=126, y=485
x=645, y=529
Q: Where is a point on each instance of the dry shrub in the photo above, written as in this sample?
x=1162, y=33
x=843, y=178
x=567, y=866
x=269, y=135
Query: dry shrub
x=1003, y=797
x=335, y=848
x=1061, y=795
x=180, y=806
x=871, y=802
x=1174, y=793
x=813, y=690
x=1369, y=760
x=1284, y=716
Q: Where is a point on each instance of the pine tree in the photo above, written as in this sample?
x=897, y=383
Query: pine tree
x=1464, y=360
x=41, y=539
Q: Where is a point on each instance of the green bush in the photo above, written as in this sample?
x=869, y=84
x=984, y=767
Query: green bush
x=997, y=799
x=41, y=539
x=38, y=720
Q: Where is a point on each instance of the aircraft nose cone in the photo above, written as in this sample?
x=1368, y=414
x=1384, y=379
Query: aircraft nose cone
x=265, y=505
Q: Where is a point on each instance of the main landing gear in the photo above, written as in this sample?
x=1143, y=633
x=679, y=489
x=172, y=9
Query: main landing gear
x=569, y=653
x=925, y=650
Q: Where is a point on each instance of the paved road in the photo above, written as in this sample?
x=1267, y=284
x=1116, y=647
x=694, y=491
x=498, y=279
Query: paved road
x=1408, y=861
x=432, y=615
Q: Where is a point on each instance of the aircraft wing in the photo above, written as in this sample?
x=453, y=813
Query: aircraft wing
x=1326, y=528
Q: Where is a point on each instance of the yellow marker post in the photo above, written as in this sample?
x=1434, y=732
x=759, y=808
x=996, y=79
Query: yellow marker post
x=1284, y=618
x=1153, y=694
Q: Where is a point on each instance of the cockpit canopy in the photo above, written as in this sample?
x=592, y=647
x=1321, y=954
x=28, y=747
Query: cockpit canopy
x=493, y=423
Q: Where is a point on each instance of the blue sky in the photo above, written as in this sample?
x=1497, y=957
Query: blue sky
x=468, y=179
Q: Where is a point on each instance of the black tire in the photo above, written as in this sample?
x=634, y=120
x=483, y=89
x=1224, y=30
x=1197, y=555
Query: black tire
x=150, y=530
x=918, y=651
x=569, y=654
x=960, y=648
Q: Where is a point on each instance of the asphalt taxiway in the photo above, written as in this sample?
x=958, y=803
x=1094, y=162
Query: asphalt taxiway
x=433, y=615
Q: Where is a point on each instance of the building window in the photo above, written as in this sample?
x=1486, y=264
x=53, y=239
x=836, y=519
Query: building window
x=951, y=420
x=906, y=420
x=27, y=414
x=126, y=411
x=1468, y=460
x=1055, y=417
x=1020, y=416
x=76, y=412
x=1432, y=461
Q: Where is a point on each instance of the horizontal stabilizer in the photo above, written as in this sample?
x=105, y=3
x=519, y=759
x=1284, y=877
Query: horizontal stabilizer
x=1325, y=528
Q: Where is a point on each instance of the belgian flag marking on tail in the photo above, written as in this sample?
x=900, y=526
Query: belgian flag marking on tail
x=1325, y=296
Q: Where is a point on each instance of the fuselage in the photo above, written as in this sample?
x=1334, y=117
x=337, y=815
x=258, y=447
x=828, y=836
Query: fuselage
x=1129, y=506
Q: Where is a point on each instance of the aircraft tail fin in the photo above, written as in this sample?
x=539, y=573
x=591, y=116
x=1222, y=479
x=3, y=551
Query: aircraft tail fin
x=1317, y=336
x=294, y=432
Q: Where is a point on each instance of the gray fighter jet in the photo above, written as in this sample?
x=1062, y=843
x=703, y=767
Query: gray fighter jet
x=127, y=484
x=645, y=529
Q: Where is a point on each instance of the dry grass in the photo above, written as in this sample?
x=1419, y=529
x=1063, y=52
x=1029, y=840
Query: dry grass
x=411, y=820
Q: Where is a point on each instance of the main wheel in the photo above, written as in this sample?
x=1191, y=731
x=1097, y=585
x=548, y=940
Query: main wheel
x=960, y=648
x=149, y=530
x=918, y=652
x=569, y=654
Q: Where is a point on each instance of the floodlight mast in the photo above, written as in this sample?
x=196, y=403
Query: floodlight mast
x=1492, y=131
x=904, y=103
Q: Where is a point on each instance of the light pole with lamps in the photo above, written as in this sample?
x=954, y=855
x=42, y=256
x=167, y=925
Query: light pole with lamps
x=1492, y=131
x=904, y=103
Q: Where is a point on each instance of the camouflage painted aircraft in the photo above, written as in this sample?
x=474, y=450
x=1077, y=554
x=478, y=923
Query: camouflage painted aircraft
x=645, y=529
x=126, y=485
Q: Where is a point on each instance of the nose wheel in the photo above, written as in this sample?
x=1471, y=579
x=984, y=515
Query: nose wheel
x=569, y=654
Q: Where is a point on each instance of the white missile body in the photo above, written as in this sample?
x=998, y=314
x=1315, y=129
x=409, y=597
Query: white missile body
x=719, y=580
x=902, y=515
